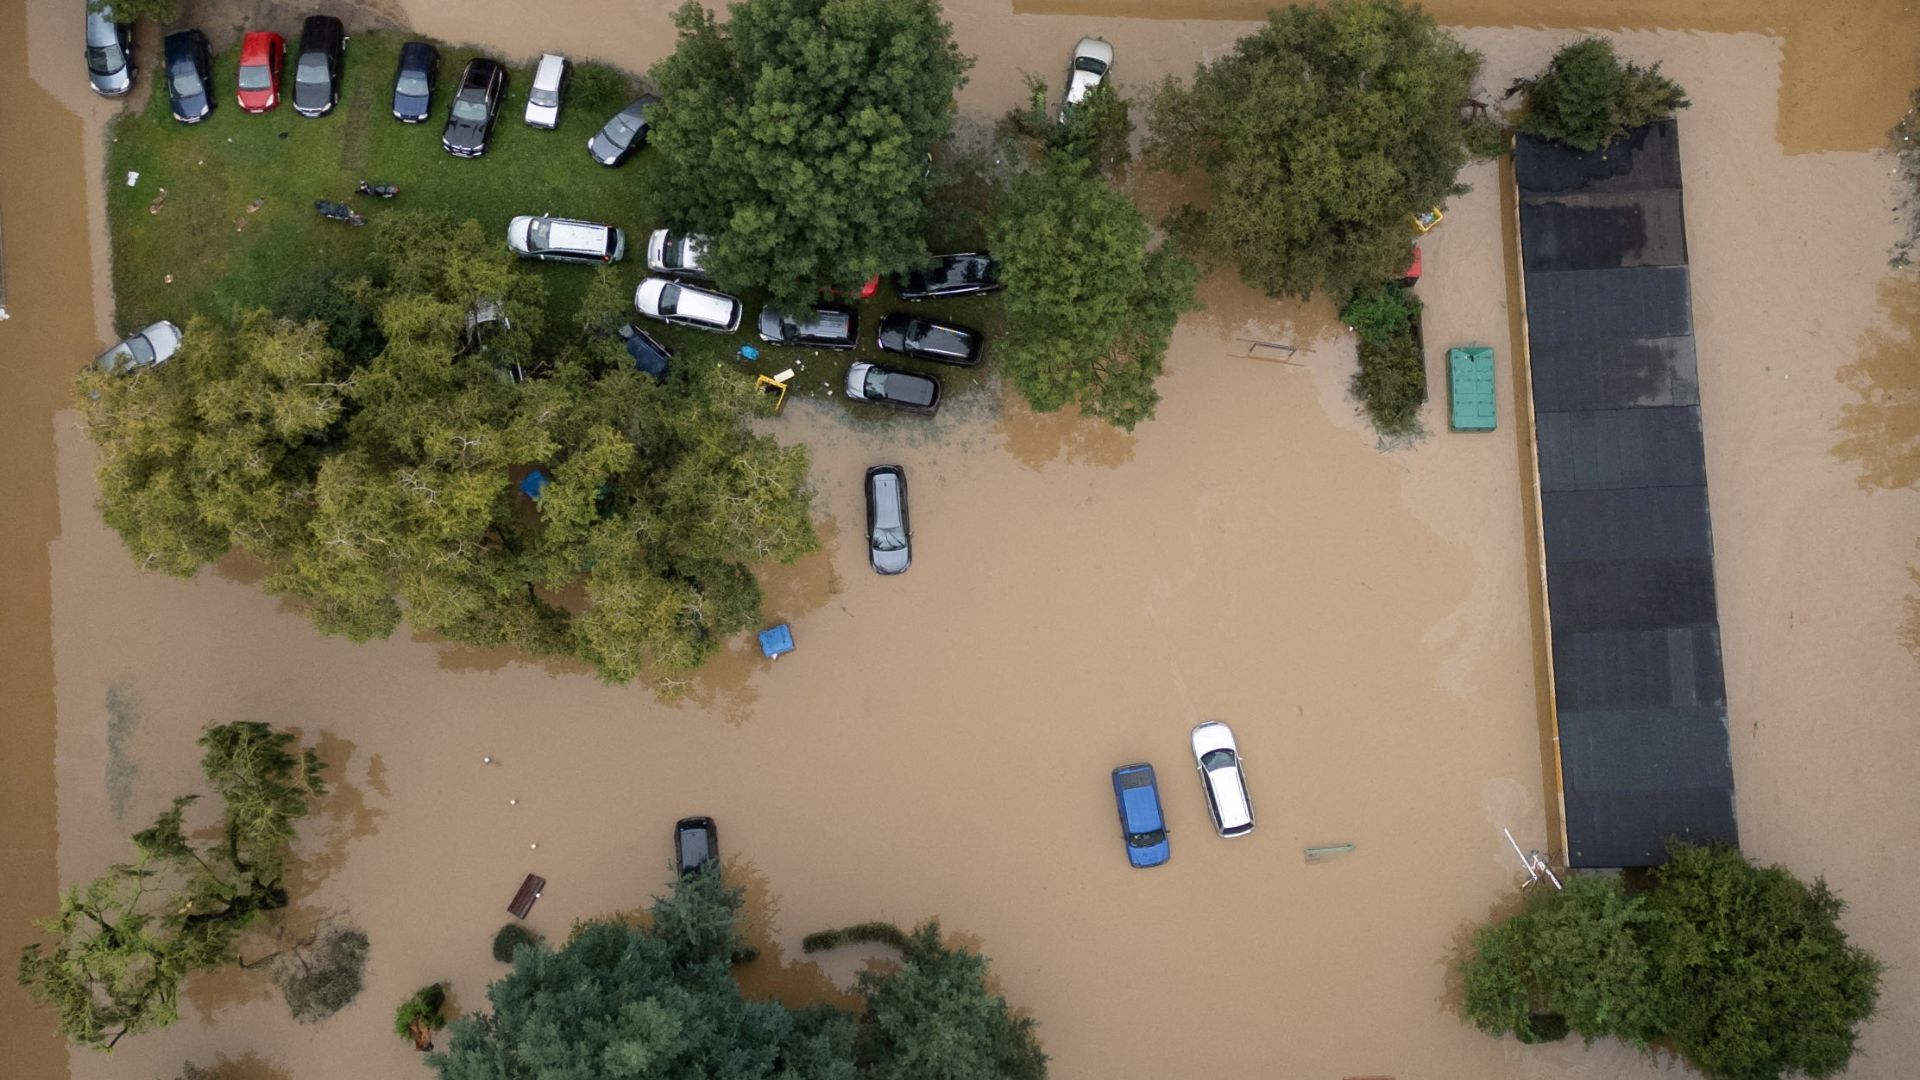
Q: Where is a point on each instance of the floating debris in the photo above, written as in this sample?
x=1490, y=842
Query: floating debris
x=1324, y=852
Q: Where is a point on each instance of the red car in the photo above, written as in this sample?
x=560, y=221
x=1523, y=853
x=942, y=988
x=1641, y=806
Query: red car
x=262, y=55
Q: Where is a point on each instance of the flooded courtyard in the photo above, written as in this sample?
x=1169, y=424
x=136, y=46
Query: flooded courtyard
x=1367, y=618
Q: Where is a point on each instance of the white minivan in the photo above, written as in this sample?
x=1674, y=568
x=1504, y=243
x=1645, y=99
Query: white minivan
x=1225, y=783
x=543, y=98
x=565, y=239
x=673, y=301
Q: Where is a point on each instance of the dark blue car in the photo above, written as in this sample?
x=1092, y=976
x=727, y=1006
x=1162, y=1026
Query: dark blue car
x=1141, y=824
x=189, y=70
x=413, y=82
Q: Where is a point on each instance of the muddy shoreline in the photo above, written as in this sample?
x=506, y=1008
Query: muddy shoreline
x=1365, y=619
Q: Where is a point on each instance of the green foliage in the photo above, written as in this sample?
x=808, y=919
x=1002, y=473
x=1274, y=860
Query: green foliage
x=421, y=1012
x=128, y=939
x=509, y=938
x=1089, y=309
x=1587, y=98
x=1573, y=960
x=617, y=1001
x=162, y=12
x=1322, y=133
x=600, y=89
x=1485, y=138
x=366, y=489
x=932, y=1017
x=796, y=135
x=1741, y=968
x=1097, y=131
x=318, y=985
x=1753, y=977
x=1392, y=378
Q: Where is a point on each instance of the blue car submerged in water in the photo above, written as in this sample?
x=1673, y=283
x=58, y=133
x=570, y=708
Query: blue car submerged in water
x=1142, y=824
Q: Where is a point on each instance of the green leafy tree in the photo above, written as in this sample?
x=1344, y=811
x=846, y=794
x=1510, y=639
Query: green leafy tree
x=621, y=1002
x=163, y=12
x=932, y=1018
x=420, y=1016
x=1573, y=960
x=127, y=940
x=1587, y=97
x=1391, y=381
x=1098, y=130
x=1752, y=975
x=369, y=489
x=1089, y=309
x=796, y=136
x=320, y=976
x=1322, y=134
x=509, y=938
x=1743, y=969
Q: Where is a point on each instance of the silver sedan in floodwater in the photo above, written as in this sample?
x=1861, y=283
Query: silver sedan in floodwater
x=1221, y=777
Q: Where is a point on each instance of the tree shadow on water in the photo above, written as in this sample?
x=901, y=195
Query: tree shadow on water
x=1037, y=439
x=1880, y=433
x=769, y=976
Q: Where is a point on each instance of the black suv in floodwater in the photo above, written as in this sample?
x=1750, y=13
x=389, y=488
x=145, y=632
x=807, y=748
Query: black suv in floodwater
x=189, y=75
x=316, y=71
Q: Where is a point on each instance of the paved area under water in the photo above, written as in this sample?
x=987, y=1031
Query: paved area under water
x=938, y=745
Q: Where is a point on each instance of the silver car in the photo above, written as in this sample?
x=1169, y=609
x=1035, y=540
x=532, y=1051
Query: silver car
x=109, y=54
x=1222, y=778
x=677, y=302
x=565, y=239
x=889, y=532
x=1092, y=59
x=679, y=254
x=154, y=345
x=543, y=97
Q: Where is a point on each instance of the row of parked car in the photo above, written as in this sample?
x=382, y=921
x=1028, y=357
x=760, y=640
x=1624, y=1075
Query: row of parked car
x=318, y=66
x=1223, y=782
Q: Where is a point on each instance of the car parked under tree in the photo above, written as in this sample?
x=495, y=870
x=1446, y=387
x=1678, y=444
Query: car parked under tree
x=925, y=339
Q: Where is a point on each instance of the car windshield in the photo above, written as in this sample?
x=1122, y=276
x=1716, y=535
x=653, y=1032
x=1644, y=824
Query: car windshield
x=186, y=81
x=538, y=233
x=890, y=538
x=255, y=77
x=620, y=129
x=1217, y=759
x=467, y=109
x=876, y=383
x=1089, y=65
x=312, y=69
x=140, y=348
x=669, y=299
x=105, y=59
x=544, y=98
x=1146, y=839
x=412, y=84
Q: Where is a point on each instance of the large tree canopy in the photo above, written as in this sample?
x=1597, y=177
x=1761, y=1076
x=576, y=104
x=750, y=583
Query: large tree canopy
x=796, y=136
x=1587, y=97
x=1089, y=309
x=1743, y=969
x=368, y=490
x=1322, y=133
x=128, y=939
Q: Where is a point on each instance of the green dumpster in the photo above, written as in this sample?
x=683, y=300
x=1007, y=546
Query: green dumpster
x=1470, y=377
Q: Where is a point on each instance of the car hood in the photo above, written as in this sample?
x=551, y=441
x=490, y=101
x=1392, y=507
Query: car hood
x=546, y=114
x=893, y=335
x=465, y=133
x=311, y=97
x=604, y=148
x=891, y=562
x=192, y=107
x=1150, y=856
x=117, y=83
x=1078, y=88
x=410, y=105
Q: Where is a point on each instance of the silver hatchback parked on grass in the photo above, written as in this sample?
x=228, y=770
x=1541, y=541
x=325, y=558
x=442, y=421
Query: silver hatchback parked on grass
x=145, y=348
x=109, y=54
x=1218, y=759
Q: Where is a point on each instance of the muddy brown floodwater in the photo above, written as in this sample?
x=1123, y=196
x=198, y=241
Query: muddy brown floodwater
x=939, y=743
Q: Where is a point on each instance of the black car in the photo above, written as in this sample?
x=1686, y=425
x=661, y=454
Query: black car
x=316, y=73
x=695, y=844
x=889, y=532
x=189, y=75
x=965, y=274
x=413, y=82
x=623, y=134
x=925, y=339
x=818, y=328
x=896, y=389
x=470, y=121
x=649, y=356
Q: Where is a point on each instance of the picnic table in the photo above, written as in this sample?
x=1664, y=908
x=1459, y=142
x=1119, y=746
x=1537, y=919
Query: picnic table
x=529, y=892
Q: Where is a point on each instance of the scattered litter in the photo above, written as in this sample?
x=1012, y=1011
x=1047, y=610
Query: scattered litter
x=132, y=177
x=256, y=204
x=158, y=201
x=202, y=161
x=169, y=279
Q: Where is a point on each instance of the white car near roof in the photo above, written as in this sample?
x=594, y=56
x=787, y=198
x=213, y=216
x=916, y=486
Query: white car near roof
x=543, y=97
x=1092, y=59
x=1225, y=783
x=145, y=348
x=677, y=302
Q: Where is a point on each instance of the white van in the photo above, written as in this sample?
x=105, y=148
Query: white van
x=565, y=239
x=543, y=98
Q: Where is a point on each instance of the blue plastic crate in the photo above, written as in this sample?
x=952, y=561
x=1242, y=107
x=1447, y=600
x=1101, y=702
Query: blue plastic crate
x=776, y=641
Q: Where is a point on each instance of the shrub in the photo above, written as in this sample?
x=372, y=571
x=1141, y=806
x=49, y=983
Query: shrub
x=420, y=1014
x=319, y=980
x=1392, y=379
x=1587, y=98
x=599, y=87
x=509, y=939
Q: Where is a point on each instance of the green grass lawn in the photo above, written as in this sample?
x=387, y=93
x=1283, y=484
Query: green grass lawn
x=224, y=259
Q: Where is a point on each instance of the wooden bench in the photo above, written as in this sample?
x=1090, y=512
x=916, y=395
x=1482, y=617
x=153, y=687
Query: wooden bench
x=529, y=892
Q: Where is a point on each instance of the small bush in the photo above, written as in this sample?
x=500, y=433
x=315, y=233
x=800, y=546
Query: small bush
x=319, y=980
x=1587, y=98
x=422, y=1010
x=1392, y=380
x=1485, y=137
x=600, y=87
x=509, y=939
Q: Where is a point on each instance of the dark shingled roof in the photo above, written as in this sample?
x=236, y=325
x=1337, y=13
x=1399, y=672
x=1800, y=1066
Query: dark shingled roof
x=1639, y=691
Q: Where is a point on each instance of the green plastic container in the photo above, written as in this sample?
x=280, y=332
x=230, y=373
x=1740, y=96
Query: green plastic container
x=1470, y=379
